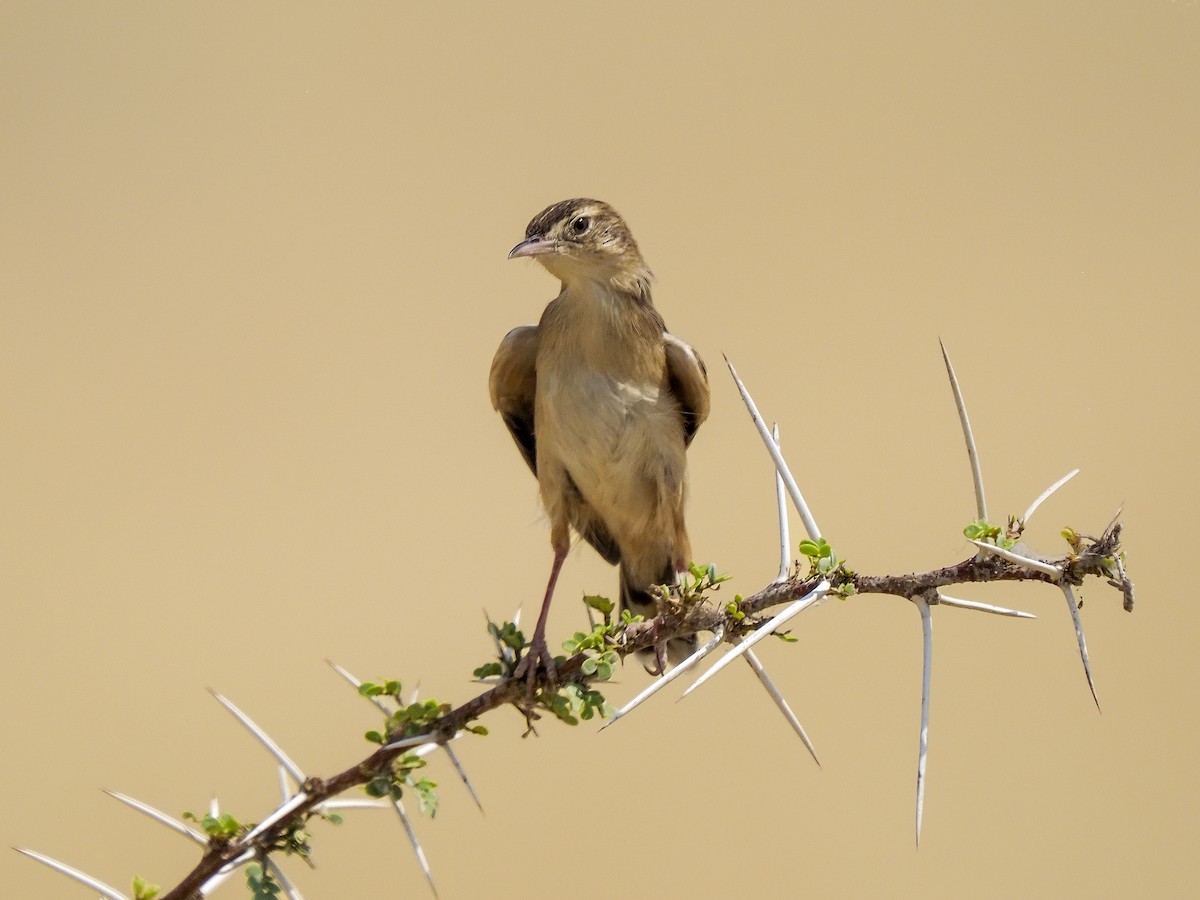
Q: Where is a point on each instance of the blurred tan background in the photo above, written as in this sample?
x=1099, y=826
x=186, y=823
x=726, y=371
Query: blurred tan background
x=253, y=274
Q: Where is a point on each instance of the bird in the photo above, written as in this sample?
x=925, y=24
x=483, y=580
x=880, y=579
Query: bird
x=602, y=402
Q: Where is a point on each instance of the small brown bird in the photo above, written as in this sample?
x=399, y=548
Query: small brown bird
x=602, y=403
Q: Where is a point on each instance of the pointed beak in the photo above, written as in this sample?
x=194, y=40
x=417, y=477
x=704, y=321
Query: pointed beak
x=534, y=246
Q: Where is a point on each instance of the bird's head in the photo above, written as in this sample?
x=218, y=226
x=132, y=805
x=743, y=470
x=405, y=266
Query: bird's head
x=585, y=240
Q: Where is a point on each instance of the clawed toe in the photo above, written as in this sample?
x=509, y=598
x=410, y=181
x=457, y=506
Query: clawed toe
x=537, y=655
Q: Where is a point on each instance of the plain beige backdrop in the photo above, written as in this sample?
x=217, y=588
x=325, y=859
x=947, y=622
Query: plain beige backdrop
x=253, y=272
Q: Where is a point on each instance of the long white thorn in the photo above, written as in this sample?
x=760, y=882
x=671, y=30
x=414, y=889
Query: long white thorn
x=765, y=629
x=1027, y=561
x=773, y=691
x=377, y=702
x=785, y=541
x=277, y=872
x=350, y=804
x=462, y=773
x=83, y=878
x=780, y=466
x=659, y=683
x=421, y=740
x=159, y=816
x=281, y=812
x=263, y=738
x=1083, y=654
x=226, y=871
x=926, y=680
x=1045, y=495
x=968, y=436
x=416, y=845
x=943, y=600
x=224, y=874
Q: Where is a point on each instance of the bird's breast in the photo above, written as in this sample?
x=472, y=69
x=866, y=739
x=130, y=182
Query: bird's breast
x=619, y=440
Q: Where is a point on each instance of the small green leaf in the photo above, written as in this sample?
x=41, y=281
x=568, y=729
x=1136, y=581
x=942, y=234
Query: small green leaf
x=427, y=797
x=143, y=890
x=378, y=787
x=602, y=605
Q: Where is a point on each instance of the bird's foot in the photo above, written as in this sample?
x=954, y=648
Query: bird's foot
x=537, y=654
x=660, y=660
x=656, y=654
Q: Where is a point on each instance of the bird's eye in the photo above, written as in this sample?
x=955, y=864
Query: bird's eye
x=580, y=225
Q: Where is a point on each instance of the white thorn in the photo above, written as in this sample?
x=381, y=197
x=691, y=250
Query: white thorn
x=976, y=474
x=926, y=679
x=763, y=630
x=351, y=804
x=356, y=683
x=780, y=466
x=659, y=683
x=943, y=600
x=782, y=703
x=281, y=812
x=273, y=748
x=277, y=872
x=416, y=845
x=82, y=877
x=785, y=541
x=285, y=791
x=420, y=740
x=159, y=816
x=1083, y=654
x=462, y=773
x=1045, y=495
x=1028, y=562
x=226, y=872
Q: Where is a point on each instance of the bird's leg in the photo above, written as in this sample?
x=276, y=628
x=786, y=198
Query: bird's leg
x=660, y=647
x=538, y=651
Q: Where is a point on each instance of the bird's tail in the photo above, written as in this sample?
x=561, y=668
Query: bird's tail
x=641, y=601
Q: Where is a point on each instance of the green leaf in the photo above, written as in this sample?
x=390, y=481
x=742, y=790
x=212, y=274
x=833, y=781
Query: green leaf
x=262, y=885
x=602, y=605
x=143, y=890
x=378, y=786
x=427, y=796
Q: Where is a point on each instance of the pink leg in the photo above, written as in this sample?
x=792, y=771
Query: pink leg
x=539, y=632
x=538, y=651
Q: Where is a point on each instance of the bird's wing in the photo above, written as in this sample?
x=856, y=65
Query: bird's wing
x=688, y=380
x=513, y=385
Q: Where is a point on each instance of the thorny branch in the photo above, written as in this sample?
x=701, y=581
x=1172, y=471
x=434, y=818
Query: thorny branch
x=1094, y=557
